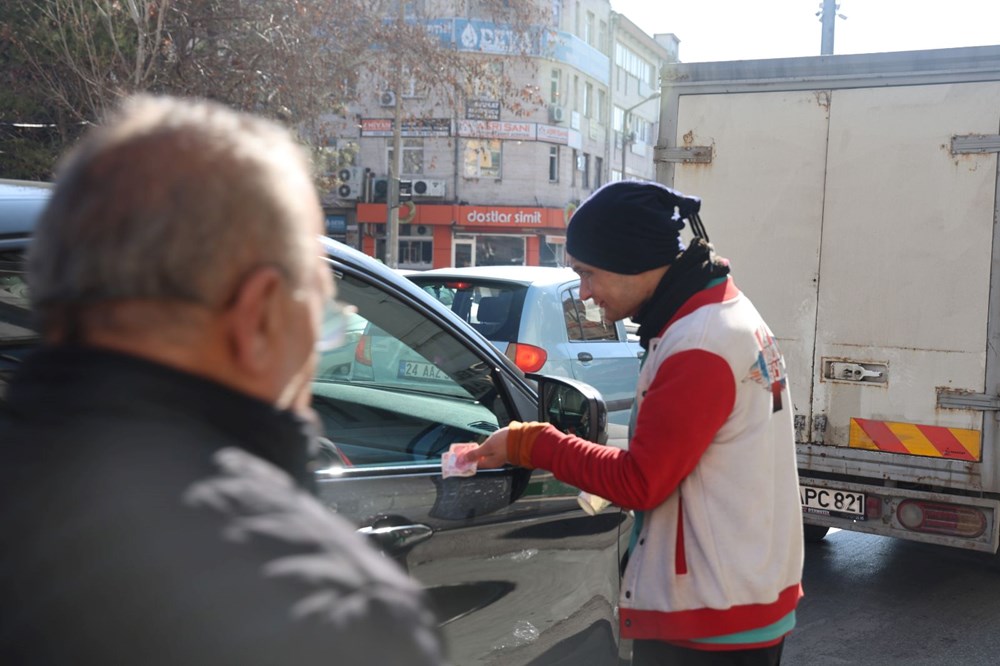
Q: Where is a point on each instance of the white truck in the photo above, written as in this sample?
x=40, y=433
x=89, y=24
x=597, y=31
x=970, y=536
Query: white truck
x=857, y=199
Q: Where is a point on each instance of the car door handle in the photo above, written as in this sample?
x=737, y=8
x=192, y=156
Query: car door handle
x=585, y=357
x=394, y=538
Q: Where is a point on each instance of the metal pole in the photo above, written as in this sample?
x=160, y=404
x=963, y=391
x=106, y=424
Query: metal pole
x=625, y=139
x=392, y=196
x=609, y=142
x=626, y=133
x=828, y=19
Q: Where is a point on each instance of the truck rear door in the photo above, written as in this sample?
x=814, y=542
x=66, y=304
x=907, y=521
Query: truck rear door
x=864, y=232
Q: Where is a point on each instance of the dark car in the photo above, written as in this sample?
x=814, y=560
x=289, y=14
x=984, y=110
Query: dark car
x=516, y=571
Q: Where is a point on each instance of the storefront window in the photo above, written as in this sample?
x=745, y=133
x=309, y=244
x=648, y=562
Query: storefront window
x=482, y=158
x=415, y=253
x=552, y=253
x=416, y=246
x=499, y=250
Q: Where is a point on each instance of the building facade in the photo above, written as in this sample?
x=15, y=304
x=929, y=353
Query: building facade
x=488, y=185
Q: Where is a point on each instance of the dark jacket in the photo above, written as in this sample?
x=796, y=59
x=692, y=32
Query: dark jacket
x=150, y=516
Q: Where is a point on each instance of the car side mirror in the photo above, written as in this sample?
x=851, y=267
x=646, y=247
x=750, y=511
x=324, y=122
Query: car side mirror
x=573, y=407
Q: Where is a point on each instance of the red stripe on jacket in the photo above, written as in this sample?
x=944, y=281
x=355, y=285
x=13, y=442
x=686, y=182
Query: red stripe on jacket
x=707, y=622
x=688, y=401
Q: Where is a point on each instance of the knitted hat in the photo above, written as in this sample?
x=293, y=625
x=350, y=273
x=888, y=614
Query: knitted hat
x=630, y=227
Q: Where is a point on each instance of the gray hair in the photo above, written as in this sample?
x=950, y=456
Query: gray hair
x=171, y=200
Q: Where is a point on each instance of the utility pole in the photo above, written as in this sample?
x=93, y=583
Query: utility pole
x=392, y=196
x=828, y=16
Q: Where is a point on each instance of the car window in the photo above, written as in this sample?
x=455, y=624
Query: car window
x=17, y=333
x=493, y=308
x=401, y=388
x=584, y=320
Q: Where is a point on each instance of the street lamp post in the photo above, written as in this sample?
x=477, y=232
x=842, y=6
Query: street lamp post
x=626, y=140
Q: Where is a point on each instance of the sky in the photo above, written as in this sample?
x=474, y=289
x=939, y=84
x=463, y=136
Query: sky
x=743, y=29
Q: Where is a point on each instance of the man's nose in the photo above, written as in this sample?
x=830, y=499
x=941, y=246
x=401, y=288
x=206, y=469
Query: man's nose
x=585, y=290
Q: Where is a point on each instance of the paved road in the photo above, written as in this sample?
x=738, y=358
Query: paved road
x=880, y=601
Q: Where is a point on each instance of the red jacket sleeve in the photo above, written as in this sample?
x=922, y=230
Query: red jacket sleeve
x=690, y=398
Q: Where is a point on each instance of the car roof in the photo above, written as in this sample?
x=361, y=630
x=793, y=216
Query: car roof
x=21, y=203
x=526, y=275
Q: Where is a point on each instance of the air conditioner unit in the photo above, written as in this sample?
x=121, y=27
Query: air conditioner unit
x=387, y=98
x=351, y=182
x=557, y=114
x=350, y=174
x=429, y=189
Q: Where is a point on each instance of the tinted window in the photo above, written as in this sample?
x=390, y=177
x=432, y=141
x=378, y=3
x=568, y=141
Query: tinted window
x=16, y=329
x=401, y=388
x=493, y=308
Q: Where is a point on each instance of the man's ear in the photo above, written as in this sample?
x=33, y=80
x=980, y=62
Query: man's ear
x=254, y=320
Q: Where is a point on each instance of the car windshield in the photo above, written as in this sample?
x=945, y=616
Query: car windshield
x=401, y=387
x=493, y=308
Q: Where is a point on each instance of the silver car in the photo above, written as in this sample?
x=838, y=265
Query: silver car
x=536, y=317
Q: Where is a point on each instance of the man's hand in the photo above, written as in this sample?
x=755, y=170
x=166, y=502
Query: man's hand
x=491, y=453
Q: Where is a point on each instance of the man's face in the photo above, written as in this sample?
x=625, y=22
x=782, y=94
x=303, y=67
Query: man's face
x=618, y=295
x=306, y=308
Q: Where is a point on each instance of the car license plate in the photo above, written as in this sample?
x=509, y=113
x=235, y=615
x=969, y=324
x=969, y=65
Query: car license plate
x=830, y=502
x=420, y=370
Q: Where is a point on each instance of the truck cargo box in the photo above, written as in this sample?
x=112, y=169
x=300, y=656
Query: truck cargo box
x=856, y=197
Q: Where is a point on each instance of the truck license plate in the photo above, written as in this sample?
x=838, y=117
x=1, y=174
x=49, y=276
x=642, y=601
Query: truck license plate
x=831, y=502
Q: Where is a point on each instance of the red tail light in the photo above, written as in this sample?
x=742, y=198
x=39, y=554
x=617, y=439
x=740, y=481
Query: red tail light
x=939, y=518
x=527, y=357
x=363, y=352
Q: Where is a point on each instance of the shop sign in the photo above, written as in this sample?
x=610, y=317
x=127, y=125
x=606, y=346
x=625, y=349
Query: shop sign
x=336, y=225
x=502, y=216
x=490, y=129
x=486, y=37
x=410, y=128
x=482, y=109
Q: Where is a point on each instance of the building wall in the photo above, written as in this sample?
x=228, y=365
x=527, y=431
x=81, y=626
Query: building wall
x=576, y=119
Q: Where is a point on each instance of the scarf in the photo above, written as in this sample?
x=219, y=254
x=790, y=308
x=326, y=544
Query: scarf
x=691, y=272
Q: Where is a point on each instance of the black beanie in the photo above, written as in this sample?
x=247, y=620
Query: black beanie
x=630, y=227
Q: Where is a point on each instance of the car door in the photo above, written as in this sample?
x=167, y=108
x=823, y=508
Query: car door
x=516, y=572
x=600, y=353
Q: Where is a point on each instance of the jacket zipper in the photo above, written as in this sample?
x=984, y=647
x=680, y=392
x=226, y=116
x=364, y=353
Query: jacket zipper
x=680, y=561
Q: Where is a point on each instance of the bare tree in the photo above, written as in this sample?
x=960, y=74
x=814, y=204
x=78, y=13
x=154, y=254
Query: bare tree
x=88, y=53
x=294, y=60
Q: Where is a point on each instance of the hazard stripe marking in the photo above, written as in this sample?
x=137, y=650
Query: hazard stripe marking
x=945, y=441
x=915, y=439
x=881, y=437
